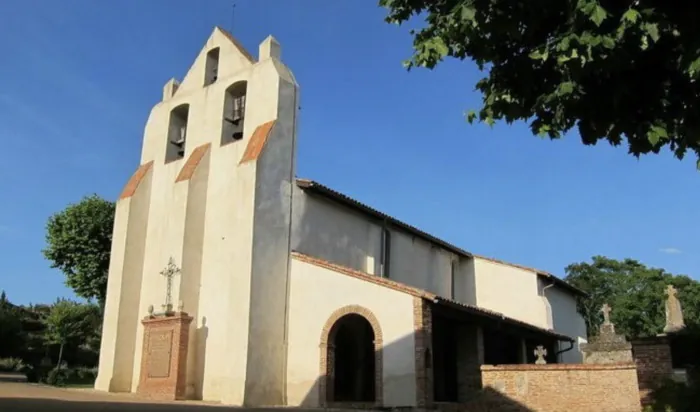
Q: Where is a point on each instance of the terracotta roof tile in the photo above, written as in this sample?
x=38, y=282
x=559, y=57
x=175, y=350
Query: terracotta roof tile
x=192, y=162
x=421, y=293
x=238, y=45
x=135, y=180
x=257, y=141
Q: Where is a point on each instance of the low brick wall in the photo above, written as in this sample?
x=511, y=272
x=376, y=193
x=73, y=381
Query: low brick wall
x=653, y=358
x=562, y=387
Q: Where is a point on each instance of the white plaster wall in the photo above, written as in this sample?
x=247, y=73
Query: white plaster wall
x=315, y=293
x=222, y=305
x=335, y=233
x=568, y=321
x=509, y=290
x=338, y=234
x=121, y=319
x=164, y=239
x=465, y=282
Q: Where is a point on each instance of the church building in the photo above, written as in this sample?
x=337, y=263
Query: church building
x=298, y=294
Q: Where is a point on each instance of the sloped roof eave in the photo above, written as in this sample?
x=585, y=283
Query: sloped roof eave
x=424, y=294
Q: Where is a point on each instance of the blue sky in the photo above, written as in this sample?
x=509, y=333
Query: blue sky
x=78, y=78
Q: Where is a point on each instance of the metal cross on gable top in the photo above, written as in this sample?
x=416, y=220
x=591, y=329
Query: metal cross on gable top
x=170, y=271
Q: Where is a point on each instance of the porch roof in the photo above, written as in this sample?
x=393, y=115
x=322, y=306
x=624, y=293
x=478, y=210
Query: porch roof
x=421, y=293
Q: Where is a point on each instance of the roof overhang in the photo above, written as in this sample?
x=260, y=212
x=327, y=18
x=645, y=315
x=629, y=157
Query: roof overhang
x=500, y=318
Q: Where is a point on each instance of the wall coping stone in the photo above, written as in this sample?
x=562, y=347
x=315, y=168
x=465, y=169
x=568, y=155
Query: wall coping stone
x=559, y=367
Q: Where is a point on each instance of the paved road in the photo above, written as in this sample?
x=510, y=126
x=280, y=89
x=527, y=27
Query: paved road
x=23, y=397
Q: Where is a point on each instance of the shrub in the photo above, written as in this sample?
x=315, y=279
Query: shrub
x=57, y=377
x=673, y=396
x=11, y=365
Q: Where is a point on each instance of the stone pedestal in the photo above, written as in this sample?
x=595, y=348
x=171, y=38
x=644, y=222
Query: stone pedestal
x=164, y=359
x=607, y=347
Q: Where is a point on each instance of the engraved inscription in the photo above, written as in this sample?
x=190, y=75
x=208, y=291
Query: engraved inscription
x=159, y=353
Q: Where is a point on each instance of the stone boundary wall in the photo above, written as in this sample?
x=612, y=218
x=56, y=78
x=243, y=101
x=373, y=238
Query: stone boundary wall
x=562, y=387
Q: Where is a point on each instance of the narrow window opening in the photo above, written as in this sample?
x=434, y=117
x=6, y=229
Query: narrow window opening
x=386, y=252
x=211, y=70
x=234, y=113
x=177, y=133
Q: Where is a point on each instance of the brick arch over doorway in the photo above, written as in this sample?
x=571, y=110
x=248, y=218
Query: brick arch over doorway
x=327, y=355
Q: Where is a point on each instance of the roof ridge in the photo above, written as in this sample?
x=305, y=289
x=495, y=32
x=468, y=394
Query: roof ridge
x=236, y=43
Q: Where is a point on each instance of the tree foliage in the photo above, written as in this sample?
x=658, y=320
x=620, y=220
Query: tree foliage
x=70, y=323
x=615, y=70
x=635, y=292
x=79, y=241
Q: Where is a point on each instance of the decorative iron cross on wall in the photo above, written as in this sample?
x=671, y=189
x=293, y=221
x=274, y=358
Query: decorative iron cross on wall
x=170, y=271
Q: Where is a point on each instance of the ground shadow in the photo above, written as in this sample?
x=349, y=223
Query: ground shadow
x=442, y=366
x=200, y=357
x=359, y=366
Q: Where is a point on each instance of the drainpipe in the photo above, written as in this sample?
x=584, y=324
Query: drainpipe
x=571, y=346
x=384, y=252
x=571, y=343
x=544, y=297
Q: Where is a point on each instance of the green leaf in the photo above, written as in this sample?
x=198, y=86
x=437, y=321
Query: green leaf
x=539, y=55
x=631, y=15
x=655, y=134
x=694, y=66
x=608, y=42
x=599, y=14
x=440, y=47
x=652, y=29
x=468, y=12
x=471, y=116
x=566, y=88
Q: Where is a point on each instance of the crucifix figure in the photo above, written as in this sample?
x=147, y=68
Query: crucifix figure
x=606, y=314
x=540, y=352
x=674, y=312
x=170, y=271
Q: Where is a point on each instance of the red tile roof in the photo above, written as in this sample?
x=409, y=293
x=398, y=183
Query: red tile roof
x=135, y=180
x=190, y=166
x=257, y=141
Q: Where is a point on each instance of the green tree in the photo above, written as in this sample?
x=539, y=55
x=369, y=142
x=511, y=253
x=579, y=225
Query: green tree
x=11, y=334
x=70, y=323
x=615, y=70
x=635, y=292
x=79, y=241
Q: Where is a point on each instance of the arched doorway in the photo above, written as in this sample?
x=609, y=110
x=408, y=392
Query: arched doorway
x=351, y=364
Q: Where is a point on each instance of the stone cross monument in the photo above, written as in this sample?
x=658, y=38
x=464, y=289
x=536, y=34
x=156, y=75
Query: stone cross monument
x=674, y=312
x=170, y=271
x=607, y=346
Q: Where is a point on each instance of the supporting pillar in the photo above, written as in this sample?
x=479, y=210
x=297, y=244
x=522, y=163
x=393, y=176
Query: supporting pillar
x=423, y=335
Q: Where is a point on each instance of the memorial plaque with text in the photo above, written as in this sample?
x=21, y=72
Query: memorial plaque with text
x=160, y=350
